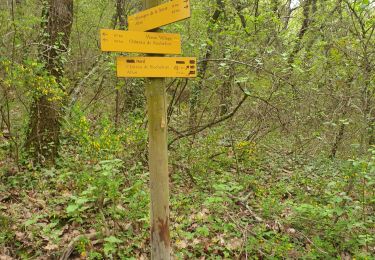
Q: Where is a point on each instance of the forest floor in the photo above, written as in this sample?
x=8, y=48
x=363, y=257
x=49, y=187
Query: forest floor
x=225, y=206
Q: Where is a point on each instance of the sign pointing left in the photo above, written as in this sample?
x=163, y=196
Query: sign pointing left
x=142, y=42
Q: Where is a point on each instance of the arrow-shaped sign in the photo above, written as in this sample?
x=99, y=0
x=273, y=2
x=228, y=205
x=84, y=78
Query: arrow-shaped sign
x=143, y=42
x=156, y=67
x=155, y=17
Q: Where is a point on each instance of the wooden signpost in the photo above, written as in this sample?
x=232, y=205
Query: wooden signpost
x=160, y=15
x=156, y=68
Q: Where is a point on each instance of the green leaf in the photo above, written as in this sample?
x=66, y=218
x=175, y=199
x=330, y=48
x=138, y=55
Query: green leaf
x=241, y=79
x=204, y=231
x=32, y=221
x=112, y=240
x=72, y=208
x=247, y=91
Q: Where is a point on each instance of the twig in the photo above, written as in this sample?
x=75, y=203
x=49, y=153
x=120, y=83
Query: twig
x=190, y=132
x=249, y=65
x=243, y=204
x=312, y=243
x=70, y=248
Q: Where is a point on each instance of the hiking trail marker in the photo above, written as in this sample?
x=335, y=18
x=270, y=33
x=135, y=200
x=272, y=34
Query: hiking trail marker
x=156, y=68
x=144, y=42
x=170, y=12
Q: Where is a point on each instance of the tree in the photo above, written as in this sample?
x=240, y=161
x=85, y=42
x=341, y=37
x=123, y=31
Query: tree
x=44, y=127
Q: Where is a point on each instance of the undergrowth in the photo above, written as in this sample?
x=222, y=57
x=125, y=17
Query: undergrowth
x=230, y=199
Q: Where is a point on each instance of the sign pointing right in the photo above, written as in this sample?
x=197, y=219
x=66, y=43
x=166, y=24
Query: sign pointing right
x=164, y=14
x=156, y=67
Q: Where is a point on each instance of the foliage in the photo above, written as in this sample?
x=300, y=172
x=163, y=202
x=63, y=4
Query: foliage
x=286, y=174
x=31, y=77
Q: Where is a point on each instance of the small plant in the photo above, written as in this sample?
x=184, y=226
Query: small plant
x=102, y=186
x=82, y=245
x=110, y=246
x=5, y=233
x=77, y=207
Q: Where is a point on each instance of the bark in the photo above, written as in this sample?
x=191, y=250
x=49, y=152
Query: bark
x=44, y=127
x=275, y=7
x=306, y=5
x=120, y=15
x=368, y=101
x=287, y=14
x=338, y=140
x=239, y=7
x=364, y=35
x=225, y=95
x=256, y=14
x=302, y=31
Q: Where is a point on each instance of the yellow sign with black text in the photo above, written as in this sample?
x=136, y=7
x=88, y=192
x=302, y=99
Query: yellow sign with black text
x=156, y=67
x=142, y=42
x=164, y=14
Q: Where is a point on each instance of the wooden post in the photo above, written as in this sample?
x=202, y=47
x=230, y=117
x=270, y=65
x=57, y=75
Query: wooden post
x=158, y=163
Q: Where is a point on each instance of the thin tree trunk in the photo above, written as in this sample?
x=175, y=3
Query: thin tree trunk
x=226, y=95
x=120, y=15
x=256, y=14
x=197, y=88
x=305, y=26
x=338, y=140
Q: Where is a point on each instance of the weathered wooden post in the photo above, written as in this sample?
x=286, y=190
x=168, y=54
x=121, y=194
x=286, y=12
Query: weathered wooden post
x=158, y=162
x=158, y=167
x=144, y=36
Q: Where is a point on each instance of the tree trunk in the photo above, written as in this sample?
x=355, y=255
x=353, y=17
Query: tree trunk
x=44, y=128
x=226, y=95
x=120, y=16
x=305, y=26
x=338, y=140
x=197, y=88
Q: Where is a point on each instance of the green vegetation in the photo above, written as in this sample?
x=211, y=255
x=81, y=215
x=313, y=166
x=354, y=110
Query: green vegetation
x=271, y=149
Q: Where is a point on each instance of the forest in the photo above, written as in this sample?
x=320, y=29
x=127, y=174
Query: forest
x=268, y=153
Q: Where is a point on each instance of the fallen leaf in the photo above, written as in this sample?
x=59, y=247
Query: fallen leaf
x=143, y=257
x=219, y=240
x=195, y=241
x=20, y=235
x=5, y=257
x=181, y=244
x=66, y=194
x=51, y=247
x=234, y=244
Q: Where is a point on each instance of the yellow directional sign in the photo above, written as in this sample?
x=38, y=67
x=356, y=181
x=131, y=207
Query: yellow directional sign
x=156, y=67
x=144, y=42
x=155, y=17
